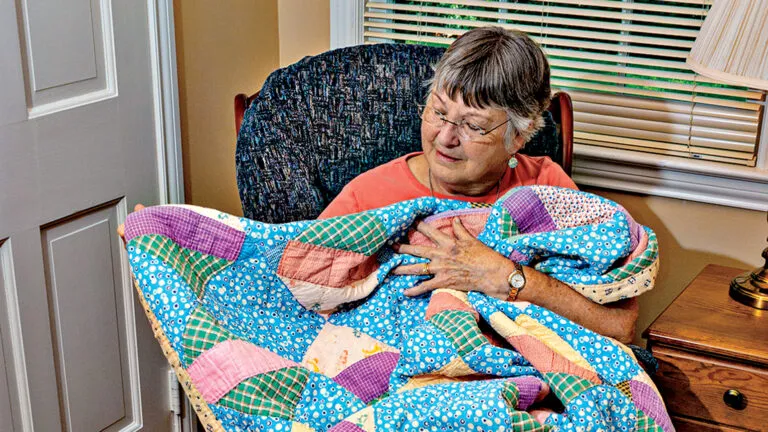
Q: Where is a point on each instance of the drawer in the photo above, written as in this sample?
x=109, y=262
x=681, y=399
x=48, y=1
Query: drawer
x=693, y=386
x=687, y=425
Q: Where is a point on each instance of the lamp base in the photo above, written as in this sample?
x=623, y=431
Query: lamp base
x=751, y=288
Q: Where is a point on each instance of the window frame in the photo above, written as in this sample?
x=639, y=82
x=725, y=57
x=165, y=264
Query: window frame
x=624, y=170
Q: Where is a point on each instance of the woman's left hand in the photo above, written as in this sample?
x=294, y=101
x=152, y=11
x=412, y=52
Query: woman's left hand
x=458, y=261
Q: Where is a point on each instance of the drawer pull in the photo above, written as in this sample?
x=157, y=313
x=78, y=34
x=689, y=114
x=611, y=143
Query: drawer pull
x=734, y=399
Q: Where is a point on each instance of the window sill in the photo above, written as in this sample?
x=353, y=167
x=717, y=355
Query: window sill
x=702, y=181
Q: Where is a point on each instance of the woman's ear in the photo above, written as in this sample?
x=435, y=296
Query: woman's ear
x=519, y=140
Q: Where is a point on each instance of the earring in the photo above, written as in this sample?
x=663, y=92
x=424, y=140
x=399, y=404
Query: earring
x=512, y=162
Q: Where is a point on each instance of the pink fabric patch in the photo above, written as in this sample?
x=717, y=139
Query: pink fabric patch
x=324, y=266
x=223, y=367
x=545, y=359
x=569, y=208
x=642, y=245
x=474, y=222
x=441, y=301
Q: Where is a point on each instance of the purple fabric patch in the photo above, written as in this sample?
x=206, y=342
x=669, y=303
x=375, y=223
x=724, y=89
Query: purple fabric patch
x=528, y=388
x=188, y=229
x=635, y=230
x=454, y=213
x=346, y=426
x=369, y=377
x=517, y=256
x=528, y=212
x=646, y=400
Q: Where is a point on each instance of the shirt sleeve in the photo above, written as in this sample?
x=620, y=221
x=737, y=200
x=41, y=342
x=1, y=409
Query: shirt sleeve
x=345, y=203
x=552, y=174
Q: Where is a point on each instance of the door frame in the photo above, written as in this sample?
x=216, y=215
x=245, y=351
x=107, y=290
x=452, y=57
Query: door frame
x=165, y=93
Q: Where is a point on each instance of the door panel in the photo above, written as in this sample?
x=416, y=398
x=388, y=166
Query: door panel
x=74, y=155
x=68, y=51
x=61, y=47
x=83, y=274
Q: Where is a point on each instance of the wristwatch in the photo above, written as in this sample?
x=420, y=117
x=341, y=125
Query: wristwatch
x=516, y=281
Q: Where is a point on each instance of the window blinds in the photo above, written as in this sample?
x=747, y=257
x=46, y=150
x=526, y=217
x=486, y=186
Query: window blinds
x=622, y=61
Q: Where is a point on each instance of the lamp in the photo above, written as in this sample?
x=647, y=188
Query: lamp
x=732, y=47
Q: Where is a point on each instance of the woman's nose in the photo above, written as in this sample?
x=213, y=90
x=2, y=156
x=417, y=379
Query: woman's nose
x=448, y=135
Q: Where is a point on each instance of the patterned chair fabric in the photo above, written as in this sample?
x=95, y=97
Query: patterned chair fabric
x=318, y=123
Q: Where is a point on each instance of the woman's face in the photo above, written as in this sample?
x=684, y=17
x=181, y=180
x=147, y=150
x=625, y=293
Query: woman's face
x=456, y=162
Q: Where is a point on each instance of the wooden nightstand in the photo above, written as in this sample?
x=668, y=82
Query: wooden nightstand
x=713, y=357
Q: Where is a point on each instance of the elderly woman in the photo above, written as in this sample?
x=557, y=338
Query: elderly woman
x=486, y=100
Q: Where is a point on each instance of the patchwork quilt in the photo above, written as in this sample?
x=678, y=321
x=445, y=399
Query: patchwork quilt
x=303, y=327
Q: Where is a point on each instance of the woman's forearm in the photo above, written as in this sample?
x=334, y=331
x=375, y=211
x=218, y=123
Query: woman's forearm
x=616, y=320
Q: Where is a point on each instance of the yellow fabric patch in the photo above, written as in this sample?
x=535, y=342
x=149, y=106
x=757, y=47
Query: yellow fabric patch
x=337, y=347
x=553, y=341
x=505, y=327
x=301, y=427
x=364, y=419
x=456, y=368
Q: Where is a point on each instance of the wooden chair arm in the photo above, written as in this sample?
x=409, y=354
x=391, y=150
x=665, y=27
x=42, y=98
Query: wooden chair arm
x=242, y=102
x=561, y=108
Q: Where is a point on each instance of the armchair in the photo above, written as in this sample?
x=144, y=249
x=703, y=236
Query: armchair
x=320, y=122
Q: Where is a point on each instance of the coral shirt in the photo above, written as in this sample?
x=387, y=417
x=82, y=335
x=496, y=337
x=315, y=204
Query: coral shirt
x=394, y=182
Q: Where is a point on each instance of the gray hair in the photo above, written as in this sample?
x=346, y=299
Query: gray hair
x=490, y=67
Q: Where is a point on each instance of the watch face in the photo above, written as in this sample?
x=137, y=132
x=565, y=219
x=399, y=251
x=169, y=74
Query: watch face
x=517, y=280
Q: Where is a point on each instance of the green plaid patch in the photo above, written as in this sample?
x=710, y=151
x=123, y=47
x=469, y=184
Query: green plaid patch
x=624, y=388
x=511, y=394
x=508, y=226
x=361, y=233
x=638, y=264
x=201, y=334
x=646, y=424
x=195, y=267
x=273, y=394
x=566, y=386
x=524, y=422
x=461, y=328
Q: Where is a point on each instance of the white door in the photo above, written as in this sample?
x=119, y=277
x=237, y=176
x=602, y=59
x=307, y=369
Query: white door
x=78, y=147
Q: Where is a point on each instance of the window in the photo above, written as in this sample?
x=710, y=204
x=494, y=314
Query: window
x=644, y=121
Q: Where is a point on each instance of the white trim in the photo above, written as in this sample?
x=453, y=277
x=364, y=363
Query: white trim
x=166, y=101
x=110, y=69
x=672, y=177
x=16, y=338
x=346, y=23
x=131, y=343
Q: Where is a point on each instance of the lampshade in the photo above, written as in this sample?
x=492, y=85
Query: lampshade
x=732, y=45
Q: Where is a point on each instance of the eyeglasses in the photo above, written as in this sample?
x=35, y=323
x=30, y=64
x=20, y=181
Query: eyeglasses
x=467, y=131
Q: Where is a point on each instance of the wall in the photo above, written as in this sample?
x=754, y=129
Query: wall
x=304, y=28
x=692, y=235
x=223, y=48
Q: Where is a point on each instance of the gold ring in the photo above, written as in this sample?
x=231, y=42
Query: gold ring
x=425, y=269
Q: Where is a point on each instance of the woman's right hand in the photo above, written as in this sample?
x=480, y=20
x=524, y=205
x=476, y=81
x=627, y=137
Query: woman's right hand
x=121, y=228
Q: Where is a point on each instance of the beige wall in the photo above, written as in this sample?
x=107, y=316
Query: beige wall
x=692, y=235
x=304, y=28
x=223, y=48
